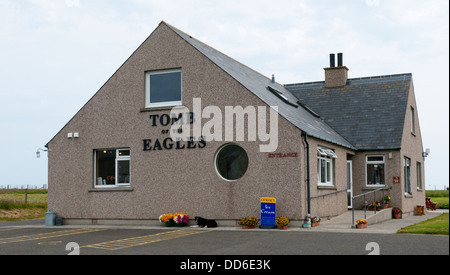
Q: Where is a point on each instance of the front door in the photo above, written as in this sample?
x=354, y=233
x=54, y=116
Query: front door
x=349, y=184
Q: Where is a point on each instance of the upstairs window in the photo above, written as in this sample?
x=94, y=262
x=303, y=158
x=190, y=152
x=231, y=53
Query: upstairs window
x=413, y=120
x=163, y=88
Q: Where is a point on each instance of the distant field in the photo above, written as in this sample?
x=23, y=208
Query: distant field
x=14, y=208
x=440, y=197
x=31, y=198
x=437, y=193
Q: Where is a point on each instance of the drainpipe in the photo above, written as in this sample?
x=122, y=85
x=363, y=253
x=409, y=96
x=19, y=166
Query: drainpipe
x=308, y=176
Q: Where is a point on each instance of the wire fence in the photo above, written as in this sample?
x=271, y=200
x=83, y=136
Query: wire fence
x=24, y=187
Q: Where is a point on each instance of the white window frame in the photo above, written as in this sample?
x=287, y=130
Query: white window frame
x=148, y=104
x=408, y=175
x=325, y=155
x=122, y=158
x=376, y=162
x=419, y=175
x=116, y=167
x=413, y=120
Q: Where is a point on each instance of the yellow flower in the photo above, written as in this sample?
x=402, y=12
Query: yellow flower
x=282, y=221
x=166, y=217
x=249, y=221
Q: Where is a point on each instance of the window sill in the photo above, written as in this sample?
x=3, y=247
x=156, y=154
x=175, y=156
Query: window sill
x=112, y=189
x=407, y=195
x=326, y=187
x=156, y=109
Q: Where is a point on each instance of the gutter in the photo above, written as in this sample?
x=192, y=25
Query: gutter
x=308, y=175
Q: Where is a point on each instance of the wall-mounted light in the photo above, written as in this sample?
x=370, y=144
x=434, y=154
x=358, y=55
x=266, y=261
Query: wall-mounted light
x=38, y=152
x=426, y=153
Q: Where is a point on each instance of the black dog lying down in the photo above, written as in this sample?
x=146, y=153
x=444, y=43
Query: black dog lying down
x=201, y=222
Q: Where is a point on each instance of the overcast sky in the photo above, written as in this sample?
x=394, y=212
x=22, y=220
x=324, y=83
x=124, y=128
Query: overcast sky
x=56, y=54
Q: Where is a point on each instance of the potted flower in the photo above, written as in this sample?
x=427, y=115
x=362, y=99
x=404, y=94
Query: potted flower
x=181, y=219
x=361, y=224
x=166, y=219
x=283, y=222
x=386, y=201
x=377, y=204
x=248, y=222
x=397, y=212
x=315, y=221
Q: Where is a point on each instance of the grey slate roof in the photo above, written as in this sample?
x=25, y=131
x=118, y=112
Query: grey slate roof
x=257, y=84
x=368, y=112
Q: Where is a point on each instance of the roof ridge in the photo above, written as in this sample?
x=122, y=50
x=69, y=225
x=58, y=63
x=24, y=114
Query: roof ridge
x=390, y=76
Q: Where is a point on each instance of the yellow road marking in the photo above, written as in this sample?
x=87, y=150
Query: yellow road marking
x=131, y=242
x=10, y=229
x=48, y=235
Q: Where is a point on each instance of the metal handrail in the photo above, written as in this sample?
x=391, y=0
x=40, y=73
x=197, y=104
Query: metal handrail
x=365, y=206
x=315, y=197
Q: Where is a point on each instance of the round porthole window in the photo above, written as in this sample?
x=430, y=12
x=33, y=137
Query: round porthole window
x=231, y=162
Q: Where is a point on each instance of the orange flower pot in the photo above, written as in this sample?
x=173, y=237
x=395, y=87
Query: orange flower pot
x=248, y=227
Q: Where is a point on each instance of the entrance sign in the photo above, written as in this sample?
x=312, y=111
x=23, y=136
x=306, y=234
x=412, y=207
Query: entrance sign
x=268, y=213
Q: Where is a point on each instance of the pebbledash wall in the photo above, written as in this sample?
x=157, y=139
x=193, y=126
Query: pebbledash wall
x=163, y=181
x=168, y=177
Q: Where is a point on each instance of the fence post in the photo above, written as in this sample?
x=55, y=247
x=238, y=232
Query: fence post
x=365, y=207
x=353, y=211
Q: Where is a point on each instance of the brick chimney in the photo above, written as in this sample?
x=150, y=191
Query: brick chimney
x=336, y=76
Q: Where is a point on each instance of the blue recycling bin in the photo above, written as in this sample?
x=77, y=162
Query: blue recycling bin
x=50, y=218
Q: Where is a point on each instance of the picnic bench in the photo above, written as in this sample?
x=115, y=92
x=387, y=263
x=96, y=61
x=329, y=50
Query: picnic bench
x=431, y=205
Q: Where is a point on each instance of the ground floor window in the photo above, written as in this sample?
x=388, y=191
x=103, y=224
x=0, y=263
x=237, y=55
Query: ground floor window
x=325, y=166
x=408, y=183
x=231, y=162
x=375, y=170
x=419, y=176
x=112, y=167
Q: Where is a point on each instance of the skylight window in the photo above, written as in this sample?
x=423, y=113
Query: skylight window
x=281, y=96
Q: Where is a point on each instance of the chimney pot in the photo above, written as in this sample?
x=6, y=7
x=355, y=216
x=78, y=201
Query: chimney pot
x=336, y=76
x=340, y=59
x=332, y=60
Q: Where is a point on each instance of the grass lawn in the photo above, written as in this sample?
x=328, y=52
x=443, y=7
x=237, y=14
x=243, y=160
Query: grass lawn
x=14, y=208
x=440, y=197
x=31, y=198
x=22, y=214
x=438, y=226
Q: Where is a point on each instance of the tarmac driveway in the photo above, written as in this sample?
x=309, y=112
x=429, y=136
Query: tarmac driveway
x=31, y=239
